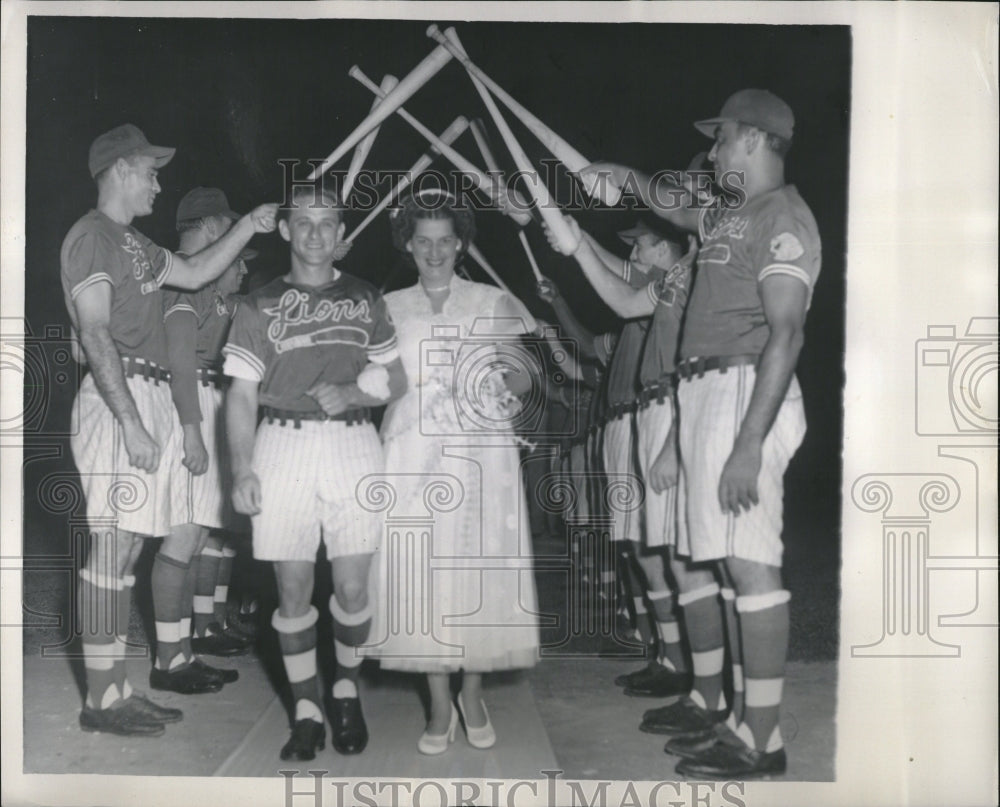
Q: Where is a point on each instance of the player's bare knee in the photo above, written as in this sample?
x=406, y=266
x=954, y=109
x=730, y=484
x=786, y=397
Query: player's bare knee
x=352, y=595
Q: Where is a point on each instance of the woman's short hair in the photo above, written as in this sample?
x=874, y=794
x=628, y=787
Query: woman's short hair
x=432, y=203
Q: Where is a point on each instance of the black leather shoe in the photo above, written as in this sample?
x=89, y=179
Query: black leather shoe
x=308, y=737
x=219, y=642
x=348, y=729
x=243, y=626
x=636, y=677
x=124, y=722
x=187, y=680
x=688, y=746
x=141, y=706
x=662, y=683
x=217, y=673
x=682, y=717
x=724, y=761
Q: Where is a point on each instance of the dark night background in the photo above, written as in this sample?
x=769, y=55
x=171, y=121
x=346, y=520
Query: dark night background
x=235, y=96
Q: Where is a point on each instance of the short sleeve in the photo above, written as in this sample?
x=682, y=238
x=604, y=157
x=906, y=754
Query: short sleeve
x=161, y=260
x=89, y=260
x=382, y=345
x=509, y=316
x=604, y=346
x=244, y=352
x=175, y=302
x=787, y=244
x=668, y=288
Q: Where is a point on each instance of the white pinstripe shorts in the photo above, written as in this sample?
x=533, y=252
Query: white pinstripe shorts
x=653, y=426
x=139, y=502
x=620, y=460
x=205, y=499
x=308, y=478
x=711, y=412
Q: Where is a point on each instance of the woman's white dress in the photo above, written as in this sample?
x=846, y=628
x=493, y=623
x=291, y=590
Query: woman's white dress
x=453, y=581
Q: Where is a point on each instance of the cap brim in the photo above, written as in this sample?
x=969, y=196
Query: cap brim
x=248, y=254
x=230, y=214
x=630, y=235
x=708, y=127
x=160, y=154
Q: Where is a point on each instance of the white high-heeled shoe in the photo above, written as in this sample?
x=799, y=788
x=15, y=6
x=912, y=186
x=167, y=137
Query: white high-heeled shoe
x=431, y=744
x=478, y=736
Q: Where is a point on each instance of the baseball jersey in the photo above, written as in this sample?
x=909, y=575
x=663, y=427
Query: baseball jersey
x=626, y=351
x=669, y=292
x=197, y=325
x=288, y=337
x=99, y=250
x=774, y=233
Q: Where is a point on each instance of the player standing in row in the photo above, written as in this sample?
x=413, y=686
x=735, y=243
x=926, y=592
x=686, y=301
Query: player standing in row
x=315, y=348
x=124, y=439
x=742, y=417
x=197, y=323
x=662, y=296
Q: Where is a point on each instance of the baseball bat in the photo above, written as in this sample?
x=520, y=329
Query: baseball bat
x=524, y=313
x=546, y=206
x=517, y=208
x=484, y=147
x=361, y=150
x=574, y=161
x=407, y=86
x=449, y=135
x=531, y=257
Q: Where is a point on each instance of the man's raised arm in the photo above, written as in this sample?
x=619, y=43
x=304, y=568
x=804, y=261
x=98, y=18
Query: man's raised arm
x=663, y=193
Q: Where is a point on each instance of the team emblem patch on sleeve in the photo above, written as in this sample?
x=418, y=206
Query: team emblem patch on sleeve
x=786, y=247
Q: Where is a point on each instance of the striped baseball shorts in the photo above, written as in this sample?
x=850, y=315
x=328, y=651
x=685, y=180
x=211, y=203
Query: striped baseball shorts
x=308, y=480
x=620, y=464
x=711, y=412
x=116, y=492
x=205, y=499
x=653, y=426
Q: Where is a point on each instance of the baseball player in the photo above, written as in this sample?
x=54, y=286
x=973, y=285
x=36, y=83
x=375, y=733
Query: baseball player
x=197, y=323
x=742, y=416
x=663, y=296
x=315, y=348
x=123, y=439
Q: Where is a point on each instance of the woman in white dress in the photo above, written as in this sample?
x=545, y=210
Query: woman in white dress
x=455, y=579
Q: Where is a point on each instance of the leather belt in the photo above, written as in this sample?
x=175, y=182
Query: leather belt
x=211, y=378
x=689, y=368
x=620, y=410
x=352, y=417
x=146, y=370
x=658, y=391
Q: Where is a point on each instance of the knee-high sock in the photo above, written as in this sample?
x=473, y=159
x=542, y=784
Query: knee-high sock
x=703, y=620
x=168, y=592
x=671, y=652
x=209, y=562
x=735, y=646
x=764, y=630
x=187, y=606
x=350, y=631
x=221, y=594
x=297, y=637
x=634, y=586
x=122, y=619
x=98, y=600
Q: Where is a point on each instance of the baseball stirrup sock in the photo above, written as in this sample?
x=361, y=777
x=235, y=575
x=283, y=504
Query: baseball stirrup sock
x=208, y=562
x=735, y=654
x=764, y=620
x=122, y=619
x=641, y=620
x=97, y=600
x=297, y=638
x=668, y=630
x=703, y=621
x=187, y=607
x=222, y=583
x=350, y=632
x=168, y=591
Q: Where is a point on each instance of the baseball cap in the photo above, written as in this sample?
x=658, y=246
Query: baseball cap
x=247, y=254
x=760, y=108
x=631, y=235
x=121, y=142
x=200, y=202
